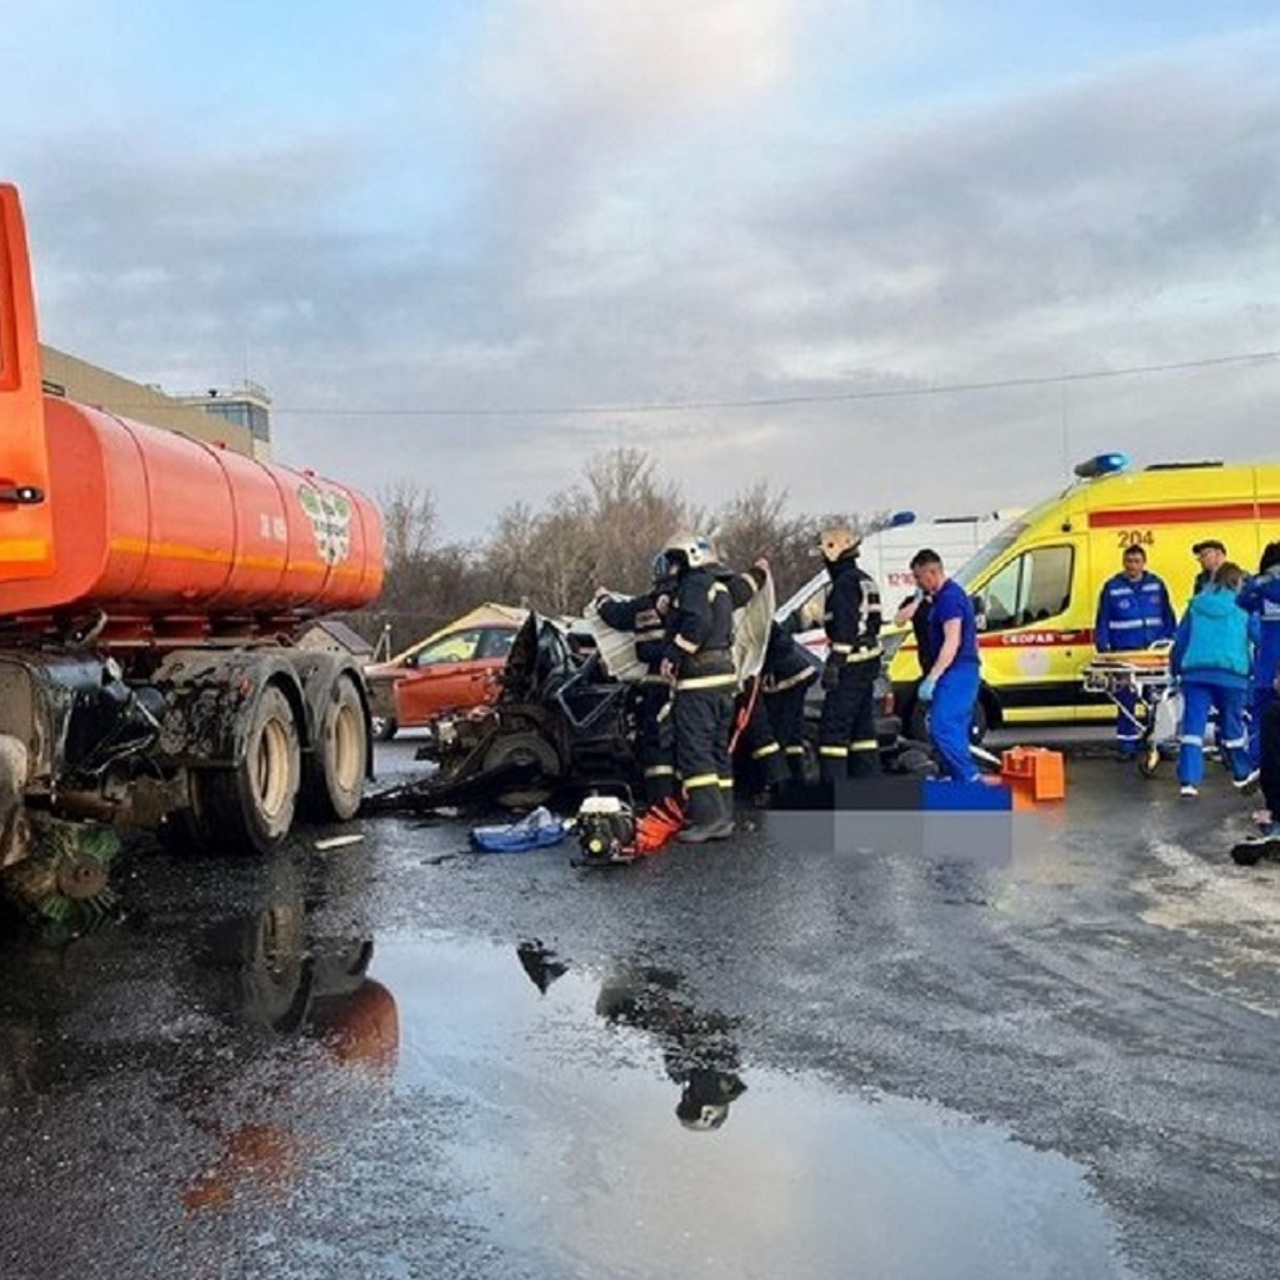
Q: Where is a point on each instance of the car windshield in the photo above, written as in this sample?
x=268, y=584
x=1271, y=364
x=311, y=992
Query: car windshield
x=995, y=546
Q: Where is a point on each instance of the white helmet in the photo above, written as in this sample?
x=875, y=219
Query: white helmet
x=695, y=550
x=838, y=540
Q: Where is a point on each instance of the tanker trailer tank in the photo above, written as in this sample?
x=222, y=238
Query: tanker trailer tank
x=150, y=588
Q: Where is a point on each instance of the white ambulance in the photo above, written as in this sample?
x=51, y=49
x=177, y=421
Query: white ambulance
x=886, y=555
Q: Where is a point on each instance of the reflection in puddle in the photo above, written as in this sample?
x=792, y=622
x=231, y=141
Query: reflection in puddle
x=263, y=972
x=565, y=1086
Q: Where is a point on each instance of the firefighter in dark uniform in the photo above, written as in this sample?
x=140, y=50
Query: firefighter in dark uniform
x=787, y=675
x=847, y=733
x=699, y=662
x=646, y=617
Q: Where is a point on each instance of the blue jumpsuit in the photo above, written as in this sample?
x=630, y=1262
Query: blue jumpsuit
x=1212, y=659
x=1261, y=598
x=1132, y=614
x=951, y=714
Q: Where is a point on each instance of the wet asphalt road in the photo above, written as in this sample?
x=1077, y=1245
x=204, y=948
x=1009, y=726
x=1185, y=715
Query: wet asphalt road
x=771, y=1057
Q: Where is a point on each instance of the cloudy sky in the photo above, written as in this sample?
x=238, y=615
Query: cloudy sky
x=471, y=242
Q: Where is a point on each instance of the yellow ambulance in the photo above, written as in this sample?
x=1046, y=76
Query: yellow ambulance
x=1037, y=582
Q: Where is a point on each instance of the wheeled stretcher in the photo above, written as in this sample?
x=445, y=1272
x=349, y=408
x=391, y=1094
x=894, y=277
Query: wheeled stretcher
x=1157, y=714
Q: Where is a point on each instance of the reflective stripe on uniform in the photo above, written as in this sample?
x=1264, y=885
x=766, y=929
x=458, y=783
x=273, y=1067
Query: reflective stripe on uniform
x=788, y=682
x=771, y=749
x=864, y=744
x=708, y=682
x=1236, y=743
x=795, y=751
x=686, y=644
x=717, y=589
x=842, y=648
x=863, y=655
x=1192, y=740
x=841, y=753
x=660, y=771
x=702, y=780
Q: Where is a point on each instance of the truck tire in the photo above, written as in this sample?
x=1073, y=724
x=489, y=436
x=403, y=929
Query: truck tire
x=249, y=807
x=333, y=775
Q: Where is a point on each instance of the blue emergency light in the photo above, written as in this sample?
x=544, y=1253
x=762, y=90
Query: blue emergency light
x=899, y=518
x=1102, y=464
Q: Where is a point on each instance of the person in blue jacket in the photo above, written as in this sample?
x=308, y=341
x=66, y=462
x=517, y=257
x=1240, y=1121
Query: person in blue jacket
x=1260, y=597
x=951, y=683
x=1134, y=612
x=1212, y=661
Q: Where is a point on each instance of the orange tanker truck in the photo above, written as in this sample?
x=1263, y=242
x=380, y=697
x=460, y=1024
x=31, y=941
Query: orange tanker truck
x=150, y=586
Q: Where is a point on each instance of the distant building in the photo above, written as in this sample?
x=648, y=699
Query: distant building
x=246, y=404
x=76, y=379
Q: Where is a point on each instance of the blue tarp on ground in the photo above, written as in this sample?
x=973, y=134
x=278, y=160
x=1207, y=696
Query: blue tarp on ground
x=538, y=830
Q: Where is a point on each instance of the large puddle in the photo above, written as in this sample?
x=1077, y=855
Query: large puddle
x=609, y=1127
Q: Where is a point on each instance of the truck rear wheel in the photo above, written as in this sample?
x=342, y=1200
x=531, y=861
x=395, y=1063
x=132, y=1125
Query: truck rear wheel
x=249, y=808
x=333, y=782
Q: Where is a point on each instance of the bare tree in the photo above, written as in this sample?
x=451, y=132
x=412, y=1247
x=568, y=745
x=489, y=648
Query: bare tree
x=409, y=521
x=601, y=529
x=633, y=513
x=755, y=523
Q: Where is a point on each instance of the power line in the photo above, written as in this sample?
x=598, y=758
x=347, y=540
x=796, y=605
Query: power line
x=833, y=397
x=775, y=402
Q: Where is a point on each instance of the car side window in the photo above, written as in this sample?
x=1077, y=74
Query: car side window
x=495, y=644
x=459, y=647
x=1032, y=588
x=812, y=612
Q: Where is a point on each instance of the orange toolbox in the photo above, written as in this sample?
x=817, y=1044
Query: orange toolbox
x=1038, y=769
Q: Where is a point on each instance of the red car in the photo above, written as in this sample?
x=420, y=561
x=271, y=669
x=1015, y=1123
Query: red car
x=452, y=670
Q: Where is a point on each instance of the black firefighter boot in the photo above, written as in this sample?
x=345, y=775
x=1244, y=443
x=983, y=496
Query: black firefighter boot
x=712, y=818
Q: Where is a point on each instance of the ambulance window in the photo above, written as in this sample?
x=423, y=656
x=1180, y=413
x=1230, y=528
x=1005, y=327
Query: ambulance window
x=1000, y=597
x=1033, y=588
x=1046, y=584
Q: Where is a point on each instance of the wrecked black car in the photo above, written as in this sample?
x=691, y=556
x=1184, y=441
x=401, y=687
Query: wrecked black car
x=560, y=724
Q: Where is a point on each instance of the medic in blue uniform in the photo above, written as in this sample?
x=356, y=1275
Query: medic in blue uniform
x=1134, y=612
x=1260, y=596
x=951, y=684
